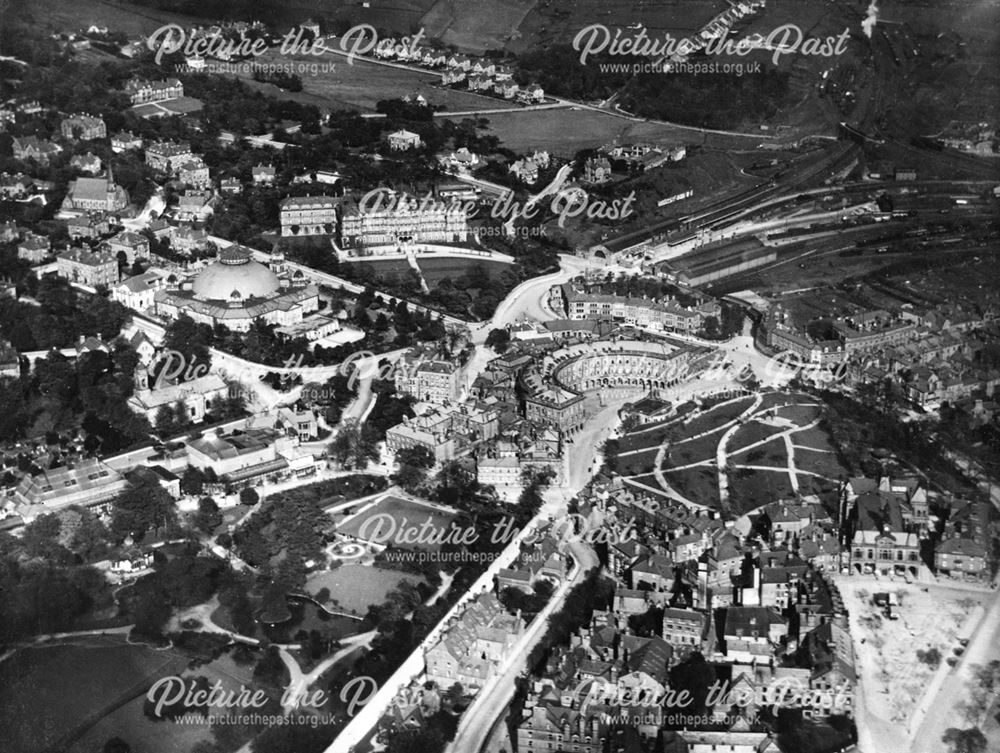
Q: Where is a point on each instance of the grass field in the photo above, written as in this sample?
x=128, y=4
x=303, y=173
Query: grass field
x=750, y=432
x=751, y=489
x=824, y=463
x=479, y=26
x=748, y=487
x=715, y=417
x=814, y=438
x=436, y=269
x=643, y=439
x=771, y=452
x=397, y=267
x=143, y=734
x=73, y=15
x=637, y=463
x=559, y=21
x=702, y=448
x=564, y=132
x=356, y=587
x=49, y=695
x=404, y=515
x=362, y=84
x=700, y=485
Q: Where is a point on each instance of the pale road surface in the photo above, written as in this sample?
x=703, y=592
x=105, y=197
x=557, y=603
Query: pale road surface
x=942, y=711
x=526, y=300
x=365, y=720
x=580, y=457
x=299, y=682
x=477, y=721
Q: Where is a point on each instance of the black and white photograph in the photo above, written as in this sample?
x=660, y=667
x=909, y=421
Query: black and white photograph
x=499, y=376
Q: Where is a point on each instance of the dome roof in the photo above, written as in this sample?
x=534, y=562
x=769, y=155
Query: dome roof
x=235, y=275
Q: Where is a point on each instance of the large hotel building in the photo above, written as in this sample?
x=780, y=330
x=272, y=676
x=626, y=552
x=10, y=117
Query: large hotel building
x=401, y=219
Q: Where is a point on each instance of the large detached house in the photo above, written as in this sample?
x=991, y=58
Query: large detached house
x=32, y=147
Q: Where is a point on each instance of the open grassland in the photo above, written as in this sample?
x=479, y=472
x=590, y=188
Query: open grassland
x=478, y=26
x=755, y=454
x=397, y=515
x=435, y=269
x=356, y=587
x=559, y=21
x=361, y=84
x=143, y=734
x=566, y=131
x=50, y=695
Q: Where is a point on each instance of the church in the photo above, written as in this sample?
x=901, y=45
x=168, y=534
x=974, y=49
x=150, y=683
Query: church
x=95, y=194
x=235, y=290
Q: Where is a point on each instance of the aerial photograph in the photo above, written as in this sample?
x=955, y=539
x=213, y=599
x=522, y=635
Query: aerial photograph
x=500, y=376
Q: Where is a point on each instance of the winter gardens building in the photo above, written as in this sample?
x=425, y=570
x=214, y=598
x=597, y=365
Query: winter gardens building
x=235, y=290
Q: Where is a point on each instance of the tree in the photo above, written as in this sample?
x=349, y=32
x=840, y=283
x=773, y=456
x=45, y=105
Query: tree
x=191, y=342
x=353, y=446
x=249, y=496
x=413, y=464
x=417, y=456
x=91, y=538
x=274, y=606
x=166, y=421
x=192, y=481
x=271, y=670
x=711, y=327
x=409, y=477
x=965, y=740
x=150, y=609
x=141, y=509
x=455, y=694
x=41, y=539
x=116, y=745
x=208, y=517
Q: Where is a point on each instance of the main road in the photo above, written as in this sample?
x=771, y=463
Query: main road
x=478, y=720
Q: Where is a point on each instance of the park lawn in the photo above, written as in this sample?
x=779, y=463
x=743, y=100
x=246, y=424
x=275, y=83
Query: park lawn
x=814, y=438
x=827, y=491
x=356, y=587
x=771, y=452
x=149, y=736
x=800, y=414
x=684, y=453
x=383, y=267
x=649, y=480
x=749, y=489
x=713, y=419
x=643, y=440
x=823, y=463
x=405, y=515
x=435, y=269
x=776, y=399
x=636, y=463
x=752, y=431
x=700, y=485
x=50, y=695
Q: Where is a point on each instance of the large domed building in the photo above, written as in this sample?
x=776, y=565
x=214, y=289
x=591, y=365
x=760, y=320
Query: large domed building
x=235, y=273
x=234, y=290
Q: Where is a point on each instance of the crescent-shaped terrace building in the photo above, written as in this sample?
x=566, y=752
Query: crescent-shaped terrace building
x=558, y=387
